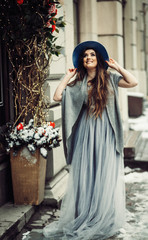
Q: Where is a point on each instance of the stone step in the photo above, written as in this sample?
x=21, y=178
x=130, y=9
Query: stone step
x=55, y=189
x=142, y=151
x=136, y=149
x=13, y=218
x=131, y=143
x=51, y=183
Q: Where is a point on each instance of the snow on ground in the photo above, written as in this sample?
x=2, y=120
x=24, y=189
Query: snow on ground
x=136, y=226
x=139, y=123
x=135, y=177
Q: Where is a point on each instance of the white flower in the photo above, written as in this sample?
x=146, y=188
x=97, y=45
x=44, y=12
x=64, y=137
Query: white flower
x=10, y=145
x=43, y=152
x=31, y=133
x=31, y=147
x=37, y=136
x=13, y=136
x=41, y=131
x=51, y=145
x=17, y=143
x=31, y=122
x=54, y=141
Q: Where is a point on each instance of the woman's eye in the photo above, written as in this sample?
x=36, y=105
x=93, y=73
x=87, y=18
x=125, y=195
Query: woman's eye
x=91, y=54
x=85, y=55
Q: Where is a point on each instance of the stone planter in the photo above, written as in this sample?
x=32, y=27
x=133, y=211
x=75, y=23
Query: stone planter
x=28, y=176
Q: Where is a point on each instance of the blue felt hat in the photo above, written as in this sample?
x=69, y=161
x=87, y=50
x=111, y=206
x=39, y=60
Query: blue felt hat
x=89, y=44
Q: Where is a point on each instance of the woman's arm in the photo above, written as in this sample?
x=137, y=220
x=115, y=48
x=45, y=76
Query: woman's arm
x=128, y=80
x=58, y=93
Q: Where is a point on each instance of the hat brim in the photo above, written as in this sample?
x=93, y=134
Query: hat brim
x=89, y=44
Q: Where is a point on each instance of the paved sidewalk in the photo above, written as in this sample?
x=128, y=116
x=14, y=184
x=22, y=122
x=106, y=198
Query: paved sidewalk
x=136, y=227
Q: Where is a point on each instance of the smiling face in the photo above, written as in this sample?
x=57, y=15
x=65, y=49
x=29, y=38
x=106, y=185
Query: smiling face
x=90, y=59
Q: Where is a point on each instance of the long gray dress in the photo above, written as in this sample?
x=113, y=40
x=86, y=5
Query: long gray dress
x=94, y=205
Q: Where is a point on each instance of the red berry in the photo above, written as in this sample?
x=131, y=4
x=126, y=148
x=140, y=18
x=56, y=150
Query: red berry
x=52, y=124
x=20, y=126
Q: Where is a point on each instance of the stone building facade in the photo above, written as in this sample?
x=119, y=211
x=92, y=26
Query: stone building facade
x=122, y=27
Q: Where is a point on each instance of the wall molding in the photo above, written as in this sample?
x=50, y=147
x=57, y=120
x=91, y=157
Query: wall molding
x=110, y=35
x=120, y=1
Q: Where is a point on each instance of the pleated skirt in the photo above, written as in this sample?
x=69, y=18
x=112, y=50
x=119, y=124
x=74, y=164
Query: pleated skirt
x=94, y=204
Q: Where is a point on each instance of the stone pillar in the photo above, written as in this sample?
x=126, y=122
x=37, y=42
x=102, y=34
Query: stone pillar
x=145, y=39
x=146, y=36
x=146, y=42
x=110, y=28
x=69, y=33
x=56, y=160
x=130, y=23
x=140, y=35
x=87, y=20
x=134, y=43
x=110, y=34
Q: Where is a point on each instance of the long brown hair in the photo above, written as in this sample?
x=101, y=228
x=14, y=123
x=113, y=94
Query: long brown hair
x=98, y=91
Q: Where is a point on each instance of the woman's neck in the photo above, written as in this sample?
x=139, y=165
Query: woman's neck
x=91, y=74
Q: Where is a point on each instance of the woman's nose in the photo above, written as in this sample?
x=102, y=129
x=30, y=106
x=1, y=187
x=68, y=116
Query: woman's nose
x=88, y=56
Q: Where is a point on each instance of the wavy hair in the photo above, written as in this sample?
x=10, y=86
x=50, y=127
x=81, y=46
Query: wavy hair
x=99, y=85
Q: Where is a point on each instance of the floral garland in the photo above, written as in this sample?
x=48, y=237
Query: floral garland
x=30, y=29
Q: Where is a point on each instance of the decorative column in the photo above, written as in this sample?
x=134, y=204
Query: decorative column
x=56, y=174
x=135, y=37
x=130, y=26
x=88, y=20
x=142, y=46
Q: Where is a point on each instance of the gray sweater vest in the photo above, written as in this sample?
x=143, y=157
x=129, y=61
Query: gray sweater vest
x=72, y=101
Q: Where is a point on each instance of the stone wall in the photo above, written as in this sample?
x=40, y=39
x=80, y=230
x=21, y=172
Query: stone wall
x=121, y=26
x=59, y=65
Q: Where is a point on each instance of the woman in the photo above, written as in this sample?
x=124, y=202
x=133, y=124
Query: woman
x=94, y=205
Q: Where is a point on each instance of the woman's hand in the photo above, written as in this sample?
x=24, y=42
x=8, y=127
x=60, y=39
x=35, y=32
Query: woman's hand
x=113, y=64
x=58, y=93
x=128, y=79
x=71, y=72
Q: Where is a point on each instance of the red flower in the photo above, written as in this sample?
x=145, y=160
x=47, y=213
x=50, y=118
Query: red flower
x=20, y=2
x=52, y=124
x=56, y=11
x=52, y=9
x=48, y=23
x=53, y=27
x=20, y=126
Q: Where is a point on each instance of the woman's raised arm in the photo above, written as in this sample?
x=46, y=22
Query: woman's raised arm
x=58, y=93
x=128, y=80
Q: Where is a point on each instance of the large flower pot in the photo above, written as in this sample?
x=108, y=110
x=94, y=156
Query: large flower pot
x=28, y=176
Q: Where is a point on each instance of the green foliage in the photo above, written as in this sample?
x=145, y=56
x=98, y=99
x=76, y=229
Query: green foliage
x=22, y=20
x=30, y=29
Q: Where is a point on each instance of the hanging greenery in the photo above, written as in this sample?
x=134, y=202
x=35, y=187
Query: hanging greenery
x=30, y=29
